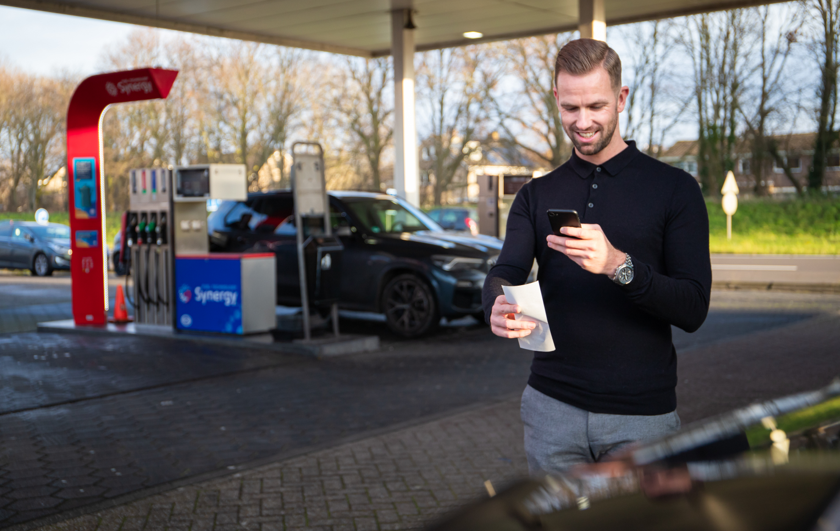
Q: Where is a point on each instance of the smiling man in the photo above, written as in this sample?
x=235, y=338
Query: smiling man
x=612, y=288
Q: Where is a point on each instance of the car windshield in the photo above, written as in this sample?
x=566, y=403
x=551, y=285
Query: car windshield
x=51, y=232
x=389, y=216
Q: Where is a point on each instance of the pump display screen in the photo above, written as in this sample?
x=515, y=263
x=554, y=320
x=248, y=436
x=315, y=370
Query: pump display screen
x=193, y=182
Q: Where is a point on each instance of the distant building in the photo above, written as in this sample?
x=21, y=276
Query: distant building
x=514, y=168
x=798, y=149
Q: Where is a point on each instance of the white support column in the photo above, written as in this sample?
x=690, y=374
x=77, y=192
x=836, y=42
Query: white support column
x=592, y=20
x=406, y=178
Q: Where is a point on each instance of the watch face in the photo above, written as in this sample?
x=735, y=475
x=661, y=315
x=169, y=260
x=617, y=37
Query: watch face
x=625, y=275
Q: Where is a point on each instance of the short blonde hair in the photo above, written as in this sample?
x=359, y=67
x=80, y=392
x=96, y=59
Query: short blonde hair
x=582, y=56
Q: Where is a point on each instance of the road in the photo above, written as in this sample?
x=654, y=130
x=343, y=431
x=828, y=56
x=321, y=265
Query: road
x=791, y=270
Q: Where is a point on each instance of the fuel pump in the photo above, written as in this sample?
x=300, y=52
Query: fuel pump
x=148, y=244
x=216, y=292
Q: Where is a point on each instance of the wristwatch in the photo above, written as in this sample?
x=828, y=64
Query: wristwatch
x=624, y=273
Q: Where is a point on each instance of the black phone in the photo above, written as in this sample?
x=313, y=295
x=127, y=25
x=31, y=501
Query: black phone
x=562, y=218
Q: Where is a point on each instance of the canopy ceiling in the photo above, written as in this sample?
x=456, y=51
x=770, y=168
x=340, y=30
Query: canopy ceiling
x=363, y=27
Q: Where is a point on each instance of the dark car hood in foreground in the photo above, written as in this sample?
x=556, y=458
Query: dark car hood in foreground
x=767, y=467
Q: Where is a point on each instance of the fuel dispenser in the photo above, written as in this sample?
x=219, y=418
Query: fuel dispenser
x=495, y=197
x=146, y=237
x=216, y=292
x=319, y=251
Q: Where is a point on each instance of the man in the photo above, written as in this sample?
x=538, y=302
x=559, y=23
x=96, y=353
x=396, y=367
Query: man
x=612, y=288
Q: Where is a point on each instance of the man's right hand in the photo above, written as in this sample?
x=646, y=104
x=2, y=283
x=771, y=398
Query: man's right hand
x=503, y=322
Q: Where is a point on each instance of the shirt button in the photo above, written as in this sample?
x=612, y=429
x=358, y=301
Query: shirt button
x=598, y=169
x=590, y=205
x=595, y=186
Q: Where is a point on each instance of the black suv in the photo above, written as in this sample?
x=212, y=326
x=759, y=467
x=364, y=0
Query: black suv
x=396, y=261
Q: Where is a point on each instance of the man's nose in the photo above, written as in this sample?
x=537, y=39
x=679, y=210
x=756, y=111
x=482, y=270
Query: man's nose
x=584, y=121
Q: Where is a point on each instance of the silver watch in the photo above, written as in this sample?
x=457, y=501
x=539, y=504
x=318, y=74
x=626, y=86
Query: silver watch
x=624, y=273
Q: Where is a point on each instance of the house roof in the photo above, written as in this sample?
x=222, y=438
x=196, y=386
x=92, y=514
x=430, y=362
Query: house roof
x=799, y=142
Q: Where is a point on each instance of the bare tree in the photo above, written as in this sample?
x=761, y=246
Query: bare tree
x=768, y=91
x=528, y=117
x=454, y=86
x=651, y=108
x=362, y=107
x=825, y=18
x=713, y=44
x=32, y=131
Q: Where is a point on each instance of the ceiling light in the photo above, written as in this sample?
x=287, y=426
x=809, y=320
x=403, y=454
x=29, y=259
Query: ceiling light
x=473, y=34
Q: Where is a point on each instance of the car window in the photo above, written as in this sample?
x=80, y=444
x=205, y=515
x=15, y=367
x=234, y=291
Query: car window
x=19, y=233
x=338, y=218
x=435, y=215
x=5, y=229
x=52, y=232
x=386, y=216
x=239, y=217
x=272, y=212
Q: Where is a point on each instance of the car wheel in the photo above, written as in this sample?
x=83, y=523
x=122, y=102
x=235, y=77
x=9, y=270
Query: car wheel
x=409, y=305
x=41, y=266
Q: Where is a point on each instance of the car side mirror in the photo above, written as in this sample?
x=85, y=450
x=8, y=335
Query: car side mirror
x=29, y=238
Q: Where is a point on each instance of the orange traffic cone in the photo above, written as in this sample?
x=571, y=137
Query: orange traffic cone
x=120, y=313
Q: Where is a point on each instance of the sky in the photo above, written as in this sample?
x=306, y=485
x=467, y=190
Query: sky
x=47, y=43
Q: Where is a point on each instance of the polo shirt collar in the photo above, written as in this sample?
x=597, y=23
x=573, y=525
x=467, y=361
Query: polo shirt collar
x=612, y=167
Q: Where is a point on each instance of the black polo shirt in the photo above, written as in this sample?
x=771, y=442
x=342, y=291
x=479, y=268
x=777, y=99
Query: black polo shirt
x=614, y=351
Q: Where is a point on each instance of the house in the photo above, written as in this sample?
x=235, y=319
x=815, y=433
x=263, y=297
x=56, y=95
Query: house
x=797, y=148
x=512, y=166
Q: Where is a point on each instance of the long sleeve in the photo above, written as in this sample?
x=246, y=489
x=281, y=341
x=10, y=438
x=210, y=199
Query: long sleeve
x=681, y=295
x=517, y=256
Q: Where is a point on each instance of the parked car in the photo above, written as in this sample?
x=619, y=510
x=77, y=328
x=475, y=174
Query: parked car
x=452, y=218
x=39, y=248
x=396, y=260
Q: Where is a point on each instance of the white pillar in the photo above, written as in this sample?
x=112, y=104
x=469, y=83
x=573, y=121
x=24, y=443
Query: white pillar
x=592, y=20
x=406, y=172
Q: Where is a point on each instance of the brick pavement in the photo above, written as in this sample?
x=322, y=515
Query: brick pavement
x=60, y=458
x=399, y=480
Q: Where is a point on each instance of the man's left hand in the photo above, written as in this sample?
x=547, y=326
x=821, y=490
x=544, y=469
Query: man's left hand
x=589, y=248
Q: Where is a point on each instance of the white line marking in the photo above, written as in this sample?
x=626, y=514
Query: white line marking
x=751, y=267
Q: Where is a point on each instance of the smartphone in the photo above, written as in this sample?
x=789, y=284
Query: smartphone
x=562, y=218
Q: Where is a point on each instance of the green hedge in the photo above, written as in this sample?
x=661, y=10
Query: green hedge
x=768, y=226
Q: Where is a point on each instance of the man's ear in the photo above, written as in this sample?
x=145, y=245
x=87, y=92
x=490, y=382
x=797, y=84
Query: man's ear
x=622, y=97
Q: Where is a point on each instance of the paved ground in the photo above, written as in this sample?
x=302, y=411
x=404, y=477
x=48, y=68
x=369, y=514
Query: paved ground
x=91, y=422
x=410, y=476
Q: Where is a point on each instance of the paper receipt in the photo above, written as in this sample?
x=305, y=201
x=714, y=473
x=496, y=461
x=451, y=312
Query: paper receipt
x=529, y=298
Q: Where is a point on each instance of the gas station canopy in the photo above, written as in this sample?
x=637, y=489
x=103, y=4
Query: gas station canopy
x=363, y=27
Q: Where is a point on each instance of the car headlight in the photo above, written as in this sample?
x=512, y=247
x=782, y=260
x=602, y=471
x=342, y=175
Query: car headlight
x=59, y=249
x=457, y=263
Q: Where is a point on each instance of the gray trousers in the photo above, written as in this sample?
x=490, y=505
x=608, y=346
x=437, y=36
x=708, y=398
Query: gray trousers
x=558, y=435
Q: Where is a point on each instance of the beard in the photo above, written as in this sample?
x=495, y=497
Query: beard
x=596, y=147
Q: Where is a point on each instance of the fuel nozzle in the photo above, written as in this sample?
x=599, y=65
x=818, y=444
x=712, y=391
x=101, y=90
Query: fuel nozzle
x=141, y=228
x=160, y=230
x=151, y=227
x=131, y=230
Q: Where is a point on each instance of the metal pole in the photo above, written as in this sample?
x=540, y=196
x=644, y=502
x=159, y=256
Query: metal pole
x=592, y=20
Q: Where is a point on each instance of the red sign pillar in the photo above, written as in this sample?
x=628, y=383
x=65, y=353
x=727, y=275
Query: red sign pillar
x=86, y=179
